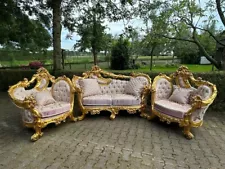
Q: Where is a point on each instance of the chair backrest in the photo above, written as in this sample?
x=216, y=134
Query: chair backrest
x=185, y=79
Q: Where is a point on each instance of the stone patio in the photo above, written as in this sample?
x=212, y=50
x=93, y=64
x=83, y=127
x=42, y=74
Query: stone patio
x=97, y=142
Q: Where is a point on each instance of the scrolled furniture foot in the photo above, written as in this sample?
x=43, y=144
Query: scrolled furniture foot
x=187, y=132
x=72, y=118
x=112, y=116
x=81, y=117
x=151, y=117
x=37, y=134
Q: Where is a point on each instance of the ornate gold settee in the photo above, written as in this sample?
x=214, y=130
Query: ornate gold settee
x=41, y=104
x=181, y=98
x=100, y=90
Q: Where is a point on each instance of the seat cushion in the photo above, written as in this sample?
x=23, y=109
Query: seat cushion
x=53, y=109
x=97, y=100
x=171, y=108
x=125, y=100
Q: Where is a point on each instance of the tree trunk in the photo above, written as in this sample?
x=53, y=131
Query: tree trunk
x=217, y=64
x=56, y=7
x=95, y=56
x=153, y=48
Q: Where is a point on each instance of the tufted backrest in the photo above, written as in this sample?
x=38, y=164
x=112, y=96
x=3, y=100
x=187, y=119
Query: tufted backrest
x=61, y=91
x=163, y=89
x=204, y=91
x=114, y=87
x=143, y=79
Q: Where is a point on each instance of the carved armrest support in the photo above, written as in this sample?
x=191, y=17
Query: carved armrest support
x=29, y=103
x=197, y=103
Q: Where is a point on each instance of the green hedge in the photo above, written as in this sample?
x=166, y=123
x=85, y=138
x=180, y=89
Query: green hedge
x=10, y=77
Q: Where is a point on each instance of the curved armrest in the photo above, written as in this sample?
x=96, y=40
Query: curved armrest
x=28, y=103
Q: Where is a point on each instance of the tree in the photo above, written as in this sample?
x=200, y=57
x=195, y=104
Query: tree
x=18, y=30
x=91, y=30
x=186, y=14
x=120, y=54
x=149, y=12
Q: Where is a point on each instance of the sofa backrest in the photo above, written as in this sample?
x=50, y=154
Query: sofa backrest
x=111, y=83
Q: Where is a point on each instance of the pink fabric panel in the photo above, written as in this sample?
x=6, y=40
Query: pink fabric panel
x=125, y=100
x=172, y=108
x=204, y=91
x=181, y=81
x=115, y=87
x=163, y=89
x=181, y=95
x=134, y=87
x=198, y=114
x=61, y=91
x=97, y=100
x=27, y=116
x=53, y=109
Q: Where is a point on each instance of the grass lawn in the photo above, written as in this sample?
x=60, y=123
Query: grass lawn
x=192, y=68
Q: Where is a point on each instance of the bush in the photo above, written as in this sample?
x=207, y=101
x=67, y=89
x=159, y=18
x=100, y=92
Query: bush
x=35, y=65
x=120, y=54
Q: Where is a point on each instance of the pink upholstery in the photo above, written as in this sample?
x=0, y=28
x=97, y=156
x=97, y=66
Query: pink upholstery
x=115, y=87
x=42, y=83
x=61, y=91
x=97, y=100
x=124, y=99
x=20, y=93
x=134, y=87
x=181, y=81
x=181, y=95
x=204, y=91
x=53, y=109
x=27, y=116
x=172, y=108
x=44, y=98
x=90, y=87
x=163, y=89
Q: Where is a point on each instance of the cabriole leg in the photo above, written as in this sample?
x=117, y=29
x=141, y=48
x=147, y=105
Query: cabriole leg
x=187, y=132
x=72, y=118
x=81, y=117
x=37, y=133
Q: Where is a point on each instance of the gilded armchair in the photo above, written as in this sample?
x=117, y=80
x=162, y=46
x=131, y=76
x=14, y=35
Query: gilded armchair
x=42, y=105
x=182, y=99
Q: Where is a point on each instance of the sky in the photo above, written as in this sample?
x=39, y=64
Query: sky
x=114, y=28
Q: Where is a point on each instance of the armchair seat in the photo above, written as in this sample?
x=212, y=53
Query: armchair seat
x=53, y=109
x=172, y=108
x=125, y=99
